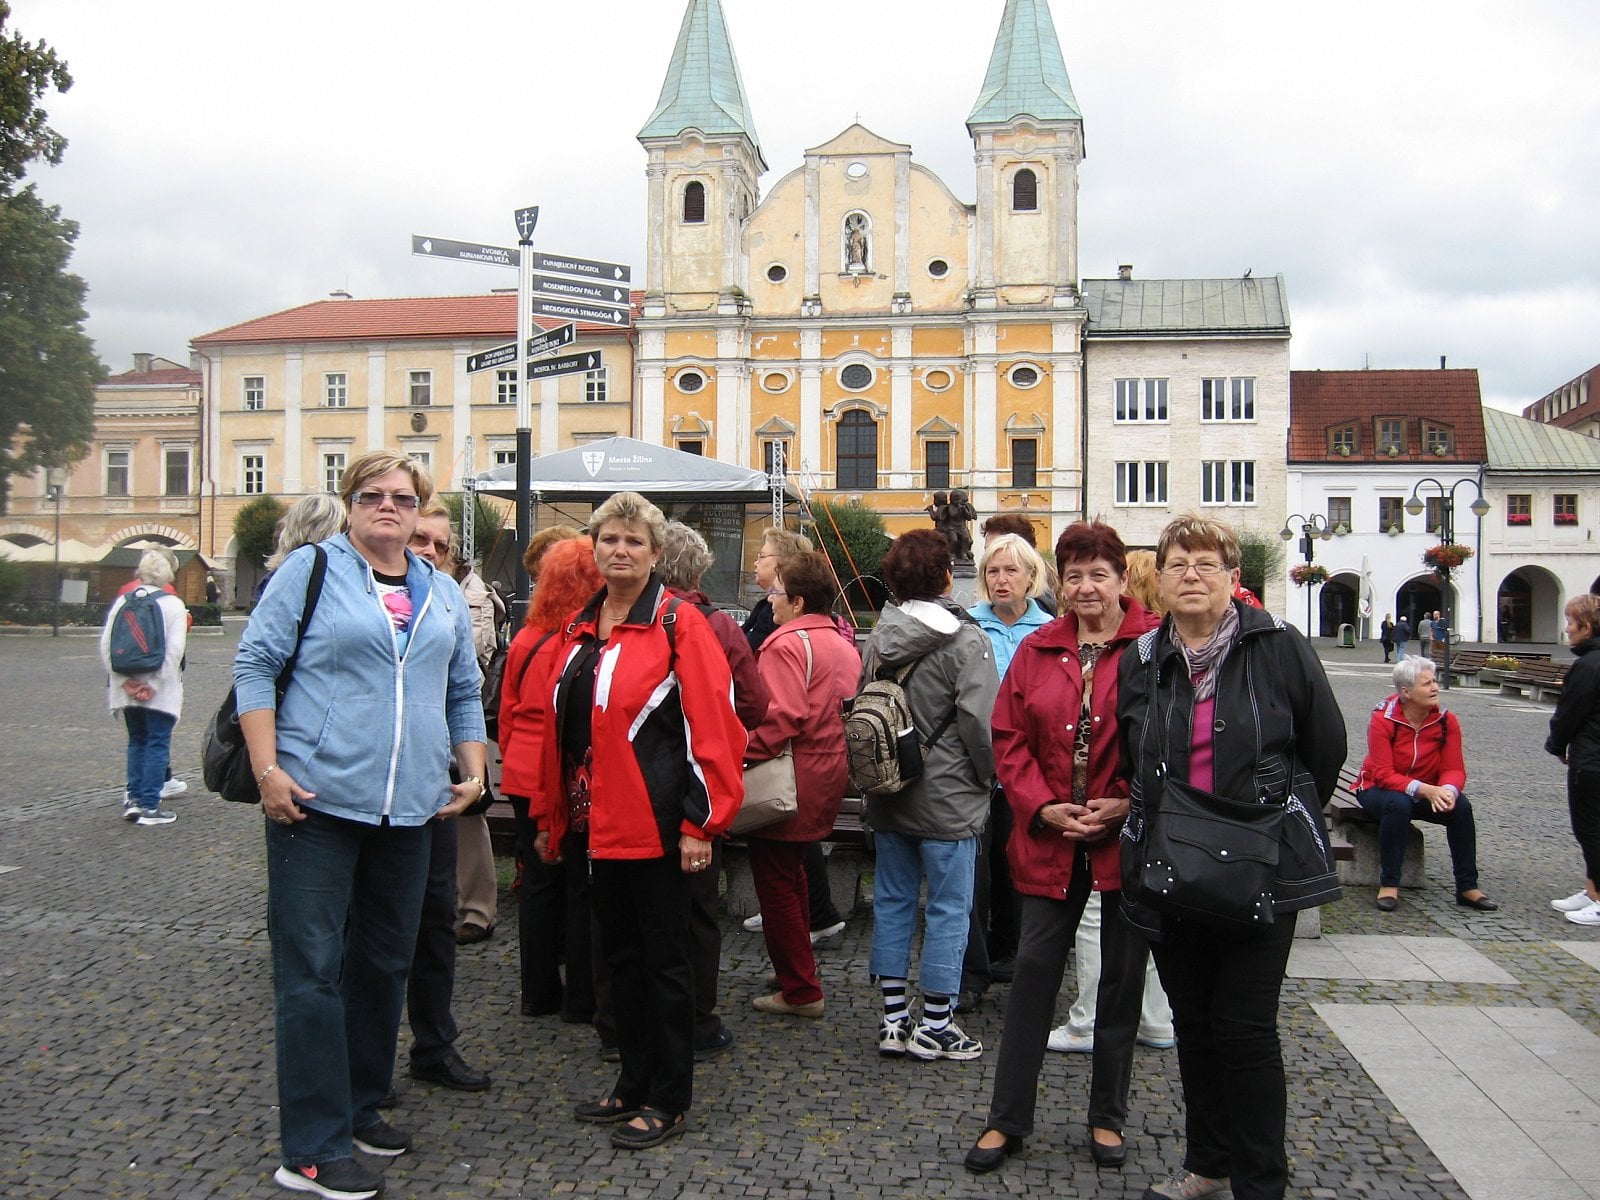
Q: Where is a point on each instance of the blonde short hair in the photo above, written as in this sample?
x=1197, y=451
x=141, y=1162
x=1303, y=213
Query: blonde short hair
x=314, y=518
x=1022, y=554
x=375, y=465
x=1143, y=581
x=1193, y=532
x=631, y=509
x=786, y=543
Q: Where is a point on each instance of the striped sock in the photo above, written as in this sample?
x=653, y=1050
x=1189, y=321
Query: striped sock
x=935, y=1011
x=895, y=1007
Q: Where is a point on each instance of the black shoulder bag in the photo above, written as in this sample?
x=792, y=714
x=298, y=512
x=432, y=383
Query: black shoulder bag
x=224, y=757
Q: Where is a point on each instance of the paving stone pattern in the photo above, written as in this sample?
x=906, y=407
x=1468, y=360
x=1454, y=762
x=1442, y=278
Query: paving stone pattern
x=136, y=1040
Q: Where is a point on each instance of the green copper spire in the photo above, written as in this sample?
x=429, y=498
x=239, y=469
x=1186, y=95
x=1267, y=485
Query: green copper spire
x=1027, y=75
x=703, y=89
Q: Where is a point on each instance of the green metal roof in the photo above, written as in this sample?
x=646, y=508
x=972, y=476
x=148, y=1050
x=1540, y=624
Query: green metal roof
x=1027, y=75
x=1518, y=444
x=703, y=89
x=1185, y=306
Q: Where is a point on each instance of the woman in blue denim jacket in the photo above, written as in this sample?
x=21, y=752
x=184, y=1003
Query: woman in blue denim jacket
x=352, y=764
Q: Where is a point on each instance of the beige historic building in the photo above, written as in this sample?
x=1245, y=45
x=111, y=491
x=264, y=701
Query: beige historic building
x=294, y=397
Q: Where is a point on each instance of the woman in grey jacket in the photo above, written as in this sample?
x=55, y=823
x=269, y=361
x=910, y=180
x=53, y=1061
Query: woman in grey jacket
x=929, y=831
x=353, y=762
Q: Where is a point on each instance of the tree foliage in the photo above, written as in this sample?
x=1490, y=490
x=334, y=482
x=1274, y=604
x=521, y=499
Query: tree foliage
x=48, y=369
x=489, y=524
x=855, y=539
x=1260, y=559
x=255, y=528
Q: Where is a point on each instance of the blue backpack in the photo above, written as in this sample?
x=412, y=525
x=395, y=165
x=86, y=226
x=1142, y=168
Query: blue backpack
x=139, y=636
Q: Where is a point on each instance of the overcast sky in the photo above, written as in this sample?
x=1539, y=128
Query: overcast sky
x=1424, y=175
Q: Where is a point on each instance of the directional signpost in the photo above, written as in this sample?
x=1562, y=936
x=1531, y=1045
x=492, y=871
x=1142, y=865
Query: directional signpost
x=574, y=310
x=579, y=289
x=496, y=256
x=583, y=268
x=500, y=356
x=552, y=339
x=567, y=364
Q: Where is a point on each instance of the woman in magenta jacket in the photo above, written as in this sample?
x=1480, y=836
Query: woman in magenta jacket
x=1415, y=771
x=1056, y=754
x=809, y=670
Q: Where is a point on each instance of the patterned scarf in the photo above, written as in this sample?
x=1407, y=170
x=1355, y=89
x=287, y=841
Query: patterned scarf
x=1205, y=664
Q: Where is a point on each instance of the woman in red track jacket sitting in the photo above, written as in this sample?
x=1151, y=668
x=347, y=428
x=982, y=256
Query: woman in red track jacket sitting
x=1415, y=771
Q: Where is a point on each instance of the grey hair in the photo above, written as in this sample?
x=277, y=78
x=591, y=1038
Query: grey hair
x=157, y=567
x=685, y=557
x=631, y=509
x=1408, y=671
x=313, y=518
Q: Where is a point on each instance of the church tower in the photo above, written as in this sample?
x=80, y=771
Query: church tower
x=704, y=161
x=1028, y=134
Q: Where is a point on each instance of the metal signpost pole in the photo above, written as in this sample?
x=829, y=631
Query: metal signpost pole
x=1311, y=528
x=58, y=484
x=527, y=218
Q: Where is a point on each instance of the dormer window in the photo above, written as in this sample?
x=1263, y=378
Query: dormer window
x=694, y=203
x=1025, y=191
x=1391, y=433
x=1342, y=440
x=1438, y=440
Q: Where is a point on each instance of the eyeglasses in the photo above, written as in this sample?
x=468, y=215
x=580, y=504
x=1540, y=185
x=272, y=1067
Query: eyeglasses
x=400, y=499
x=422, y=541
x=768, y=554
x=1205, y=568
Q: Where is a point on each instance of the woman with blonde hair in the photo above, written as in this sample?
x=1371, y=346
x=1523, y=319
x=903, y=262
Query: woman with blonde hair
x=1144, y=582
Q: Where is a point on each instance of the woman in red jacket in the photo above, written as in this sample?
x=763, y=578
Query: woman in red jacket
x=1414, y=771
x=553, y=893
x=1056, y=753
x=809, y=671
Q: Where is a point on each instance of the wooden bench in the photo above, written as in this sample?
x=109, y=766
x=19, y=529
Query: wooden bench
x=1354, y=837
x=1535, y=680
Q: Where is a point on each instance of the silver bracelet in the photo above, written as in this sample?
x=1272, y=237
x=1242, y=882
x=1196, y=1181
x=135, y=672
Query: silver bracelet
x=261, y=778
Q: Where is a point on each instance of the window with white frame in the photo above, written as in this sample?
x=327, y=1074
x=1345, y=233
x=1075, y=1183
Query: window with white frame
x=333, y=464
x=423, y=459
x=253, y=474
x=336, y=389
x=1141, y=400
x=255, y=392
x=421, y=387
x=175, y=470
x=505, y=387
x=594, y=386
x=1228, y=399
x=1228, y=481
x=505, y=458
x=119, y=463
x=1141, y=483
x=936, y=465
x=1024, y=462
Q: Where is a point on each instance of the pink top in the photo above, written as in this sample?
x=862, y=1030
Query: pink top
x=1201, y=774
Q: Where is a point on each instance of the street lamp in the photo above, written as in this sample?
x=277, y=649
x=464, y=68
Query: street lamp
x=1447, y=536
x=57, y=478
x=1311, y=528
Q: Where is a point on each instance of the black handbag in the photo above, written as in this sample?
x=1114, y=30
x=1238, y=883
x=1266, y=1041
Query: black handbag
x=1210, y=858
x=224, y=757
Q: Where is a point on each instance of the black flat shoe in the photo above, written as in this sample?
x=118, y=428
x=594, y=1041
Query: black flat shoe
x=1482, y=903
x=658, y=1127
x=1390, y=903
x=451, y=1072
x=980, y=1161
x=1108, y=1156
x=608, y=1111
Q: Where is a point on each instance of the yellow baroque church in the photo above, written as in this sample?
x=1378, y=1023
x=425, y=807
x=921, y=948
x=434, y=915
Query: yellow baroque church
x=860, y=323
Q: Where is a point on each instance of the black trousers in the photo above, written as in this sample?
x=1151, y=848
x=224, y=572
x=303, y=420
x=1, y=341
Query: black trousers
x=642, y=906
x=1049, y=928
x=823, y=913
x=552, y=923
x=1583, y=806
x=432, y=983
x=1224, y=986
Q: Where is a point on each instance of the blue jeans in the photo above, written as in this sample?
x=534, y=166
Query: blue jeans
x=343, y=904
x=149, y=749
x=1394, y=812
x=903, y=862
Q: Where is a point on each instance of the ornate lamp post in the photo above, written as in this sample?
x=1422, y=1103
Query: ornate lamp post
x=1447, y=537
x=57, y=484
x=1311, y=528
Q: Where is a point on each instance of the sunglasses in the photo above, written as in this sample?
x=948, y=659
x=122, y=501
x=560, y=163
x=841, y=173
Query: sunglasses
x=400, y=499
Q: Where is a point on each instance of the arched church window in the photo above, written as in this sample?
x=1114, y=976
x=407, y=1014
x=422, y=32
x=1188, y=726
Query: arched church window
x=856, y=452
x=1025, y=191
x=694, y=203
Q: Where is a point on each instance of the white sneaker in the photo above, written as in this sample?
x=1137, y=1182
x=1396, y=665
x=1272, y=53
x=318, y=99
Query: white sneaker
x=1589, y=914
x=173, y=787
x=892, y=1037
x=1064, y=1041
x=1157, y=1041
x=753, y=924
x=1578, y=899
x=818, y=936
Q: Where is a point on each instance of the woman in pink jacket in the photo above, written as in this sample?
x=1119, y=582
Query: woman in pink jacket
x=809, y=670
x=1415, y=771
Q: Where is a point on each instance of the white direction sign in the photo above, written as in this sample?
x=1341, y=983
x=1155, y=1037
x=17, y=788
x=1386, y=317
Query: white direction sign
x=580, y=289
x=567, y=364
x=497, y=256
x=500, y=356
x=583, y=268
x=572, y=310
x=552, y=339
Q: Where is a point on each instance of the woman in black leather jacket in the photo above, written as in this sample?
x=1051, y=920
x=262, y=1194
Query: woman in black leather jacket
x=1575, y=739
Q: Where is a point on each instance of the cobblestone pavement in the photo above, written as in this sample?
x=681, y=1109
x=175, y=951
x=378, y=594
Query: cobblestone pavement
x=136, y=1035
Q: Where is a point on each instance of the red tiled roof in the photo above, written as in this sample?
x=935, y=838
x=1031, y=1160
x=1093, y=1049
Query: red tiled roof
x=1323, y=400
x=166, y=377
x=415, y=317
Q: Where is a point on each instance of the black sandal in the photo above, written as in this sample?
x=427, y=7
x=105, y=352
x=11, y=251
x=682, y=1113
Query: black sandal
x=608, y=1111
x=658, y=1127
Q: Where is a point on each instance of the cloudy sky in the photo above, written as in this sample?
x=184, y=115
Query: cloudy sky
x=1424, y=175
